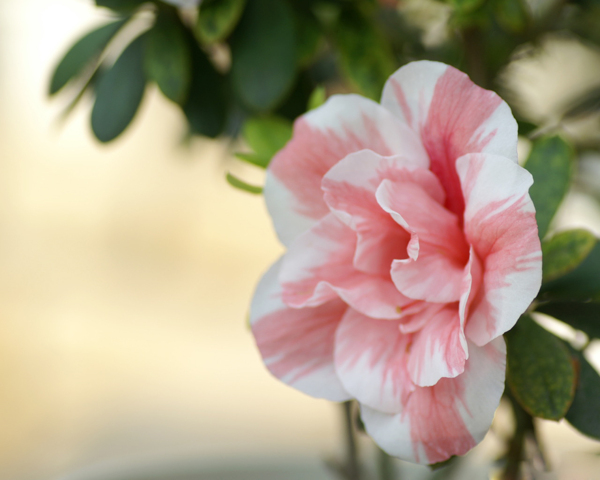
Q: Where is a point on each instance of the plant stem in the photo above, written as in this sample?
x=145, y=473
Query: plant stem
x=523, y=426
x=385, y=467
x=352, y=468
x=473, y=45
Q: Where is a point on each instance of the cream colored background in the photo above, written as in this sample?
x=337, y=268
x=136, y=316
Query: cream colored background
x=126, y=272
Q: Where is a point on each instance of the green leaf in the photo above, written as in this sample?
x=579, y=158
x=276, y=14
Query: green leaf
x=366, y=59
x=308, y=41
x=266, y=136
x=263, y=50
x=512, y=15
x=121, y=5
x=539, y=371
x=550, y=164
x=119, y=93
x=206, y=105
x=584, y=316
x=565, y=251
x=582, y=283
x=217, y=19
x=85, y=52
x=241, y=185
x=584, y=413
x=317, y=98
x=168, y=59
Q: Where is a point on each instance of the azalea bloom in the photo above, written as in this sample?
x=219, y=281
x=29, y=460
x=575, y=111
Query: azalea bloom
x=412, y=246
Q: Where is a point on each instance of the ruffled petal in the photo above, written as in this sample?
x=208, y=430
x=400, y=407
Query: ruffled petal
x=453, y=116
x=318, y=268
x=500, y=225
x=434, y=273
x=349, y=191
x=439, y=349
x=297, y=344
x=448, y=418
x=439, y=346
x=370, y=359
x=324, y=136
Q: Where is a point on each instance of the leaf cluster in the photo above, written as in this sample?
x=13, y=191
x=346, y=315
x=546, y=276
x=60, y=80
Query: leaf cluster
x=546, y=375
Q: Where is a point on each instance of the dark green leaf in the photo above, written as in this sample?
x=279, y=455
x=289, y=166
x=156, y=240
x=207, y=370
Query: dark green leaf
x=119, y=93
x=584, y=413
x=168, y=59
x=308, y=33
x=206, y=106
x=217, y=19
x=241, y=185
x=296, y=100
x=550, y=164
x=317, y=98
x=565, y=251
x=365, y=57
x=121, y=5
x=263, y=51
x=584, y=316
x=539, y=371
x=85, y=52
x=582, y=283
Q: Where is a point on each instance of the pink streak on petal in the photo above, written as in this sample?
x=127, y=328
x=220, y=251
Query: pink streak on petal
x=380, y=239
x=301, y=165
x=436, y=269
x=457, y=110
x=448, y=418
x=500, y=224
x=425, y=217
x=436, y=424
x=370, y=361
x=296, y=343
x=508, y=248
x=318, y=267
x=439, y=349
x=401, y=98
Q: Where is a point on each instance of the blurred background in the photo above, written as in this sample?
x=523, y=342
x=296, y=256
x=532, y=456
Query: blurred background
x=126, y=271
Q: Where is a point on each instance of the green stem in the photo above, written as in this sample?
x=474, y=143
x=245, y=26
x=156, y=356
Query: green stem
x=352, y=468
x=385, y=466
x=473, y=45
x=523, y=427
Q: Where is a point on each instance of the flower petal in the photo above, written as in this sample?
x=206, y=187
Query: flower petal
x=370, y=359
x=439, y=349
x=434, y=274
x=318, y=267
x=500, y=225
x=343, y=125
x=297, y=344
x=439, y=346
x=453, y=116
x=349, y=191
x=448, y=418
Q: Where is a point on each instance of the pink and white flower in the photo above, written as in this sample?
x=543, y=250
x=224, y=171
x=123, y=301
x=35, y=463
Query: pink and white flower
x=412, y=247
